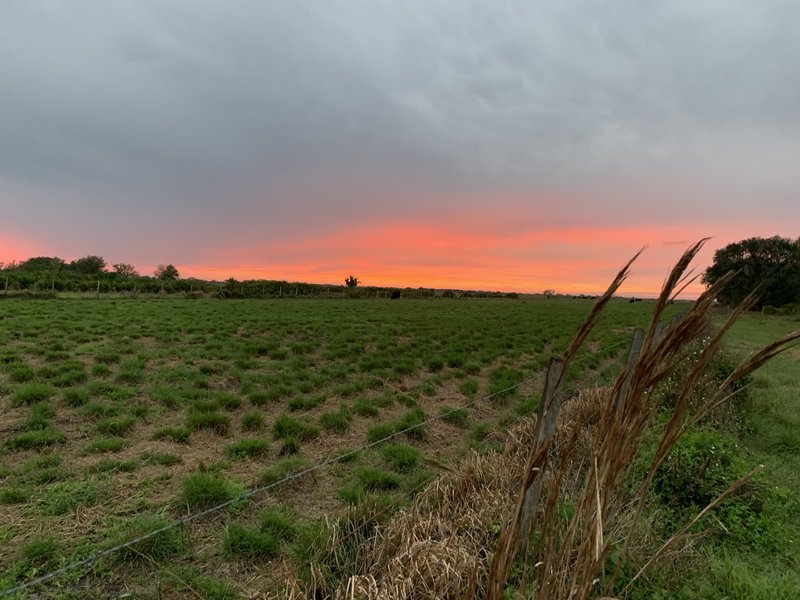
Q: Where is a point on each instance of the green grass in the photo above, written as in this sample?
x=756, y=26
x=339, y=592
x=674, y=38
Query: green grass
x=149, y=378
x=205, y=489
x=247, y=448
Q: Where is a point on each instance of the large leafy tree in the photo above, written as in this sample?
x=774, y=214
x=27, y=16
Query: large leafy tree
x=89, y=265
x=166, y=273
x=771, y=265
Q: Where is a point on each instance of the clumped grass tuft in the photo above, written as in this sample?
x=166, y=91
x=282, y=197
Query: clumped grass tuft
x=290, y=446
x=402, y=458
x=195, y=583
x=153, y=549
x=245, y=542
x=282, y=469
x=75, y=397
x=211, y=420
x=116, y=427
x=110, y=444
x=372, y=478
x=247, y=448
x=36, y=440
x=30, y=393
x=336, y=421
x=286, y=426
x=279, y=523
x=13, y=495
x=39, y=416
x=62, y=498
x=455, y=416
x=112, y=465
x=253, y=421
x=42, y=552
x=205, y=489
x=161, y=458
x=179, y=435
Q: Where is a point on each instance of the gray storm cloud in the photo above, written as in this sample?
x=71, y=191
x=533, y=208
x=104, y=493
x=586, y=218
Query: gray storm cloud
x=284, y=114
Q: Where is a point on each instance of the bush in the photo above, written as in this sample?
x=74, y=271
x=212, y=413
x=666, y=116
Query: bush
x=205, y=489
x=698, y=469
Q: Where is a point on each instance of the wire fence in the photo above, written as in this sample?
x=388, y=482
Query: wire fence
x=182, y=521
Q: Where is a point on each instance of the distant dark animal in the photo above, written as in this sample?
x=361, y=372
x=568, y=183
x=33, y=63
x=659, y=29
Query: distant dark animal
x=632, y=300
x=396, y=295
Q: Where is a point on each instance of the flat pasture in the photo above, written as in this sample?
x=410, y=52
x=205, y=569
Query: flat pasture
x=122, y=415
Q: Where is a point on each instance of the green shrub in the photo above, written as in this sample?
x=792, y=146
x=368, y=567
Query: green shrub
x=247, y=448
x=242, y=541
x=205, y=489
x=698, y=469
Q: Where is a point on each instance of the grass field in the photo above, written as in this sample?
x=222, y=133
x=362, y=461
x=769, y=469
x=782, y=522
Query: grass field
x=121, y=415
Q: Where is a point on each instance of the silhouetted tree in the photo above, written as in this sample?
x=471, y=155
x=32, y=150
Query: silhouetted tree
x=772, y=265
x=88, y=265
x=125, y=270
x=166, y=273
x=351, y=281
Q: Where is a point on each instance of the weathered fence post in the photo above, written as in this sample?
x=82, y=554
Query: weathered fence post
x=636, y=348
x=98, y=289
x=547, y=415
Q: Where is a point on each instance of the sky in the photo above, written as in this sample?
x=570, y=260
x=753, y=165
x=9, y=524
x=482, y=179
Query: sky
x=516, y=146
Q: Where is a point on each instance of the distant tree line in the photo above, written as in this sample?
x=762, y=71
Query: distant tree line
x=45, y=274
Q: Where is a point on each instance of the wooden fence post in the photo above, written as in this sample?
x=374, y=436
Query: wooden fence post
x=547, y=415
x=636, y=348
x=98, y=289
